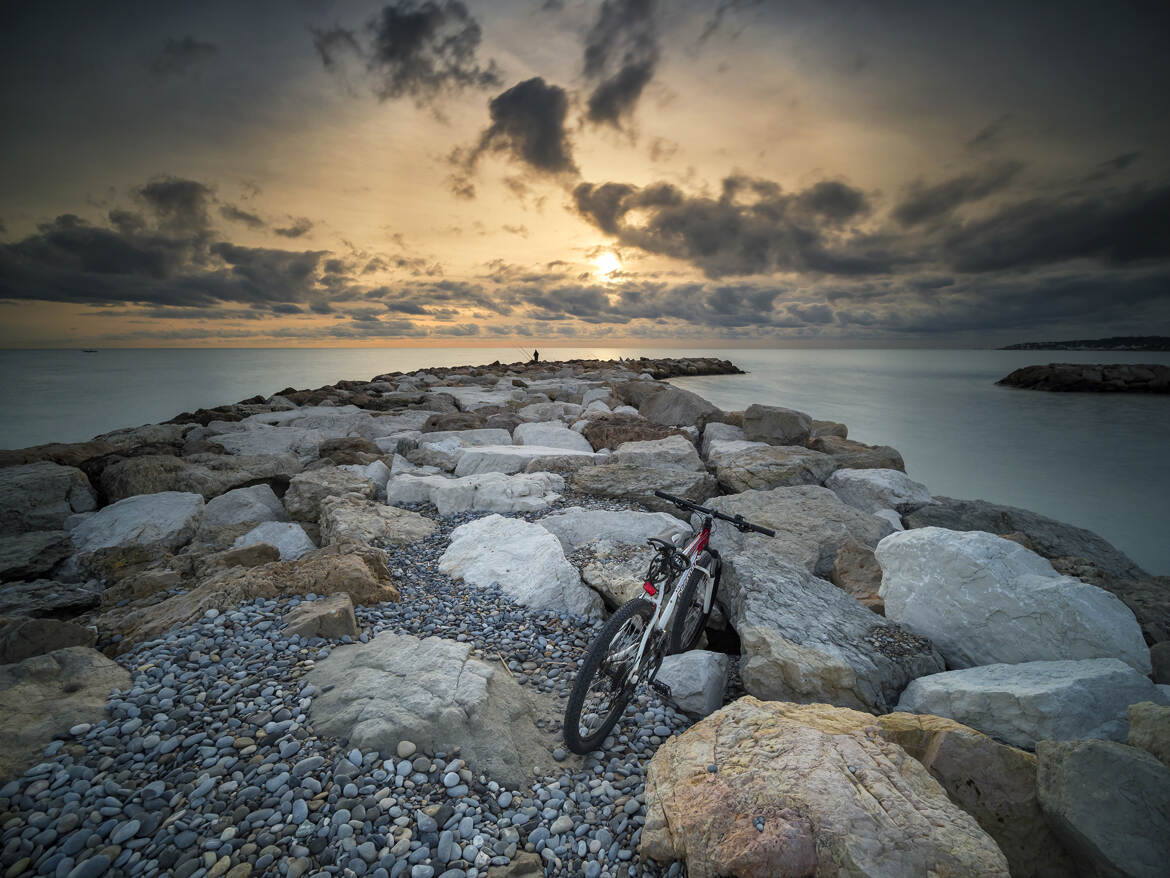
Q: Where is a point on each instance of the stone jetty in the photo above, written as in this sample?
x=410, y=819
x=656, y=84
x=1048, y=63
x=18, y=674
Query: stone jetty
x=331, y=631
x=1092, y=378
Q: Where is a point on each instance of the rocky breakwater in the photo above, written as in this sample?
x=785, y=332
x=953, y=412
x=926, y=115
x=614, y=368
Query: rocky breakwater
x=331, y=632
x=1092, y=378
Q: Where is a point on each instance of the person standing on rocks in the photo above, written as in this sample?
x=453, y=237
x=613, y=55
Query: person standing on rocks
x=535, y=356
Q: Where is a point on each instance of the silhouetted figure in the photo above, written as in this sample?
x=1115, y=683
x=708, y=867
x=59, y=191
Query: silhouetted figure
x=536, y=356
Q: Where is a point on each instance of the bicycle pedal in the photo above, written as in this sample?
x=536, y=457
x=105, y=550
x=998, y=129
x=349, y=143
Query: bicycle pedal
x=661, y=688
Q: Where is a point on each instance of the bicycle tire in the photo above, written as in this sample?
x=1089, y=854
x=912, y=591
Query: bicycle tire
x=590, y=668
x=683, y=637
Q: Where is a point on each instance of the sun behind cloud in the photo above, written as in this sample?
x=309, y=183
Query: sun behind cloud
x=608, y=264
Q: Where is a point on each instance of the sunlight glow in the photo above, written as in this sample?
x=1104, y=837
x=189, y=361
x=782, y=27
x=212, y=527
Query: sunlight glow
x=608, y=264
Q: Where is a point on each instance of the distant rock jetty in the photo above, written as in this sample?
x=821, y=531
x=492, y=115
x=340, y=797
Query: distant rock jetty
x=1092, y=378
x=1115, y=343
x=331, y=632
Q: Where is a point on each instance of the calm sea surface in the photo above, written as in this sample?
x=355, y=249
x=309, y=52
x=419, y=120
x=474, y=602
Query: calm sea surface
x=1098, y=461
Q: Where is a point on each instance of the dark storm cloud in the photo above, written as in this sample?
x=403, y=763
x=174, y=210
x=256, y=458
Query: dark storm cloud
x=300, y=225
x=924, y=203
x=180, y=57
x=414, y=49
x=1113, y=166
x=753, y=227
x=180, y=205
x=239, y=215
x=1115, y=228
x=528, y=125
x=990, y=135
x=621, y=57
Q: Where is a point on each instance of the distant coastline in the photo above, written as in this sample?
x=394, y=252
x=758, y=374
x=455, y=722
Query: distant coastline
x=1116, y=343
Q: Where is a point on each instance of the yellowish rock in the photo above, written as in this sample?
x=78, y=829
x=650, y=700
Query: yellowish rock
x=789, y=799
x=1149, y=729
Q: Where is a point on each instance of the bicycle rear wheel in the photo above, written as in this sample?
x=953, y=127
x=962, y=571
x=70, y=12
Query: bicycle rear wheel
x=690, y=619
x=602, y=688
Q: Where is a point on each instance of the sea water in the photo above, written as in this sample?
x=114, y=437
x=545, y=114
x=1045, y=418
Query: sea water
x=1096, y=460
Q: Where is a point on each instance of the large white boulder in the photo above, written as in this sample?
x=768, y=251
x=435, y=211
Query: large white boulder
x=409, y=488
x=674, y=450
x=260, y=439
x=307, y=491
x=548, y=411
x=512, y=458
x=469, y=438
x=524, y=559
x=497, y=492
x=717, y=431
x=1033, y=701
x=550, y=434
x=720, y=451
x=377, y=472
x=287, y=537
x=576, y=526
x=982, y=600
x=167, y=520
x=227, y=516
x=875, y=489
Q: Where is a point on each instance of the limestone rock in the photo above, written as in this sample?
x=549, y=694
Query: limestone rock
x=206, y=474
x=671, y=406
x=359, y=571
x=1149, y=729
x=697, y=680
x=613, y=569
x=816, y=794
x=716, y=431
x=1050, y=538
x=40, y=496
x=576, y=526
x=167, y=520
x=720, y=451
x=550, y=434
x=488, y=492
x=288, y=537
x=509, y=458
x=874, y=489
x=993, y=782
x=330, y=617
x=828, y=428
x=236, y=512
x=638, y=483
x=776, y=425
x=524, y=559
x=671, y=451
x=858, y=455
x=351, y=519
x=32, y=554
x=433, y=693
x=771, y=466
x=857, y=573
x=1109, y=803
x=811, y=524
x=46, y=695
x=44, y=597
x=805, y=640
x=376, y=472
x=1031, y=701
x=549, y=411
x=984, y=600
x=309, y=490
x=22, y=638
x=610, y=431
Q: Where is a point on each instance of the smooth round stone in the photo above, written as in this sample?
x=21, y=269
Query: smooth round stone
x=406, y=749
x=125, y=832
x=80, y=729
x=422, y=870
x=451, y=778
x=300, y=811
x=91, y=868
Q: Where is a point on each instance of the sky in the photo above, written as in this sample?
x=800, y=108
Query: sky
x=761, y=172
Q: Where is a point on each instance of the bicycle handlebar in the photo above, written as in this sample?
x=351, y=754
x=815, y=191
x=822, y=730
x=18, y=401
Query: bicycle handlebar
x=737, y=520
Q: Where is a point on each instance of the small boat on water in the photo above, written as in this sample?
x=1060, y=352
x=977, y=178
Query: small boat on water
x=89, y=350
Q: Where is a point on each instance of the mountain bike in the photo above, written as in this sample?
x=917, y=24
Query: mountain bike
x=680, y=588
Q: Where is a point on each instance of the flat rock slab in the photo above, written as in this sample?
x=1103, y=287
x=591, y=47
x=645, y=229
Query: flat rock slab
x=46, y=597
x=486, y=492
x=32, y=554
x=762, y=467
x=167, y=520
x=206, y=474
x=351, y=519
x=576, y=526
x=287, y=537
x=669, y=451
x=874, y=489
x=638, y=483
x=830, y=804
x=432, y=692
x=22, y=638
x=1033, y=701
x=331, y=617
x=805, y=640
x=1109, y=803
x=511, y=458
x=525, y=560
x=550, y=434
x=776, y=425
x=811, y=524
x=46, y=695
x=986, y=600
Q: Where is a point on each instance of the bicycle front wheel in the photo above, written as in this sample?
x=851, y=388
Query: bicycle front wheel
x=602, y=688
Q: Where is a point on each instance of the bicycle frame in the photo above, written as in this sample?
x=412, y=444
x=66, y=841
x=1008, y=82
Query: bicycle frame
x=664, y=612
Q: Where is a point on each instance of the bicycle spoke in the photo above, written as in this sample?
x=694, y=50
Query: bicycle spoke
x=605, y=690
